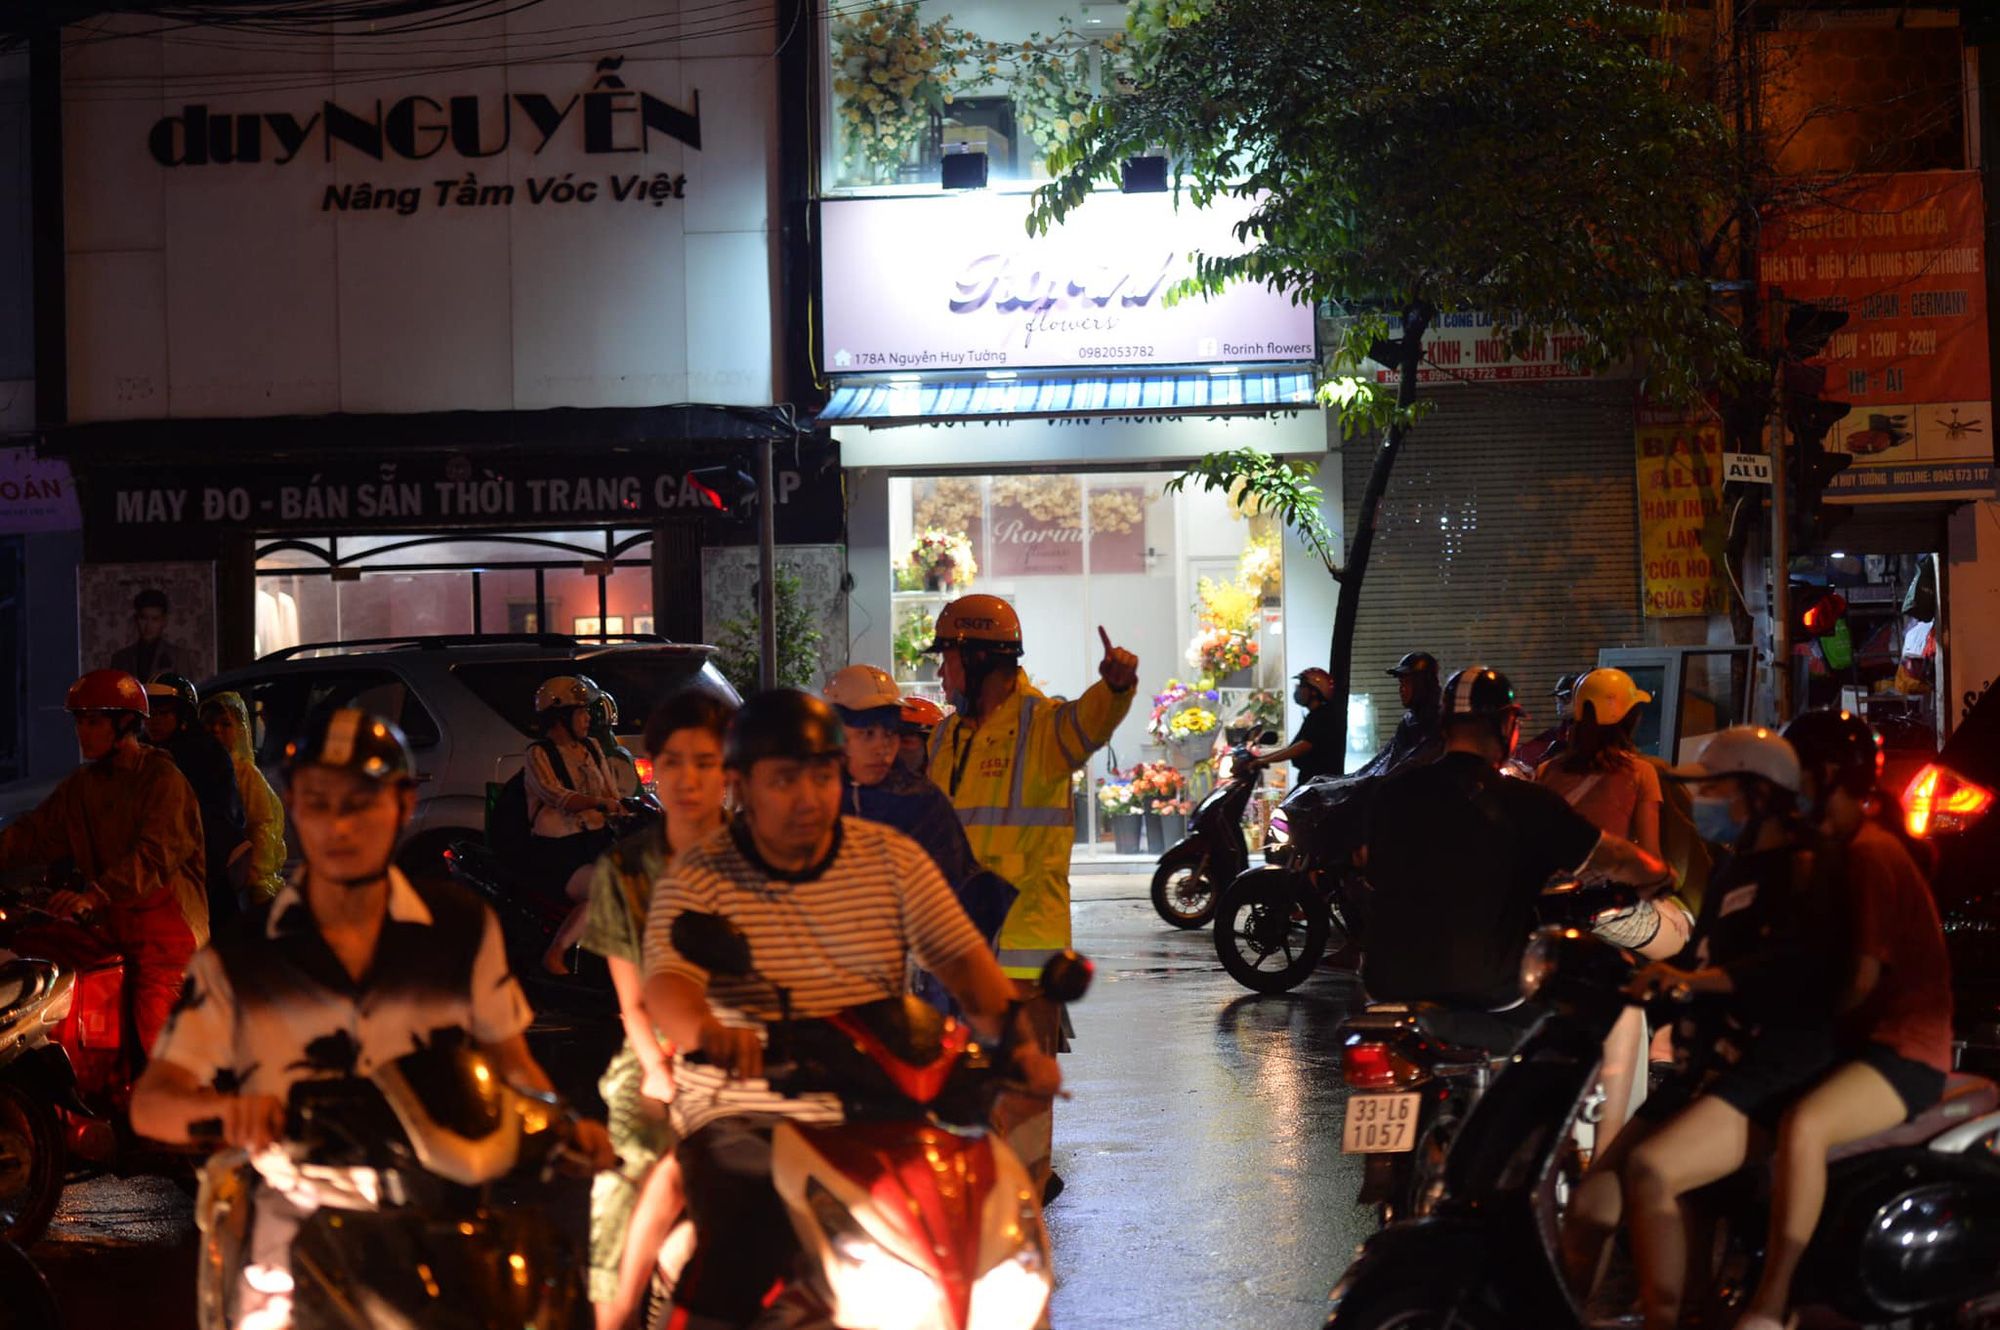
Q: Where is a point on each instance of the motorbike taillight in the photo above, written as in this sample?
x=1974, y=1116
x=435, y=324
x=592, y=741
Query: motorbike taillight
x=1940, y=800
x=645, y=768
x=1368, y=1066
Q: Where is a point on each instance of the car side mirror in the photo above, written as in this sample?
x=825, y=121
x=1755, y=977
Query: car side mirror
x=1267, y=738
x=1066, y=977
x=713, y=943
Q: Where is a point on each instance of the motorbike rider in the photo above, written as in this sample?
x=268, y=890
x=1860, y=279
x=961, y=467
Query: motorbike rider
x=920, y=716
x=1894, y=1029
x=1772, y=954
x=833, y=907
x=572, y=799
x=618, y=758
x=173, y=725
x=633, y=1207
x=350, y=966
x=1316, y=750
x=1546, y=745
x=259, y=874
x=1458, y=854
x=881, y=789
x=1005, y=756
x=127, y=820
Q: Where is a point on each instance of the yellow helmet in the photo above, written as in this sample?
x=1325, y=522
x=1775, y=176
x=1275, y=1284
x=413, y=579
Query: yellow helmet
x=1610, y=694
x=980, y=621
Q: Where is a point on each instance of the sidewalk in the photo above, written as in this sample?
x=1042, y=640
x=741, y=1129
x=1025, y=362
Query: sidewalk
x=1114, y=886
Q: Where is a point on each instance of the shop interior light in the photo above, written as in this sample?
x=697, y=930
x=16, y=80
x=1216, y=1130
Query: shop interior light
x=964, y=170
x=1143, y=175
x=1225, y=369
x=906, y=378
x=1001, y=374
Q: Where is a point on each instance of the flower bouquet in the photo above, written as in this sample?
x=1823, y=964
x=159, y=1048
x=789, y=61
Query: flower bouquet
x=1119, y=807
x=940, y=559
x=1191, y=733
x=1225, y=654
x=1175, y=695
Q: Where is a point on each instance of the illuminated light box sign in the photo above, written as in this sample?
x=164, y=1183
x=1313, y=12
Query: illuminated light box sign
x=956, y=283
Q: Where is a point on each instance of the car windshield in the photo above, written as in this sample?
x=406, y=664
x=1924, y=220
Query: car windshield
x=640, y=679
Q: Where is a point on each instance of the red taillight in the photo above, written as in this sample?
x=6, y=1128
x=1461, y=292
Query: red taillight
x=645, y=766
x=1940, y=800
x=1376, y=1067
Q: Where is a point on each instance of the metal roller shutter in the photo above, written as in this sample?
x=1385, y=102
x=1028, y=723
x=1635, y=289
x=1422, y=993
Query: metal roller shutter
x=1508, y=536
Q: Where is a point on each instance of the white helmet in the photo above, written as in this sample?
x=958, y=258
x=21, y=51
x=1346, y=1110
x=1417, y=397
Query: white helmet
x=1746, y=750
x=863, y=688
x=564, y=690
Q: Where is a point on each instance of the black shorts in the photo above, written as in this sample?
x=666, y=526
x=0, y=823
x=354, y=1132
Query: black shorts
x=1919, y=1084
x=1779, y=1067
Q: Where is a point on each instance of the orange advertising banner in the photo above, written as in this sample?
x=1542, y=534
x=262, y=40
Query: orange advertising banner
x=1904, y=257
x=1682, y=531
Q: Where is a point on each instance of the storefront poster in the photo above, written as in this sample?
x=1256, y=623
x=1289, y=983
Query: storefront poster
x=1117, y=529
x=36, y=493
x=1682, y=527
x=1464, y=348
x=1037, y=526
x=1904, y=258
x=955, y=283
x=145, y=618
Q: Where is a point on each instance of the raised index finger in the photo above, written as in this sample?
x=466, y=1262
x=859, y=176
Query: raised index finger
x=1106, y=639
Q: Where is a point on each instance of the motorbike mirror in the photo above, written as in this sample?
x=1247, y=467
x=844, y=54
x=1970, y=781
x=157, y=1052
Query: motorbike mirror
x=1267, y=738
x=1066, y=976
x=713, y=943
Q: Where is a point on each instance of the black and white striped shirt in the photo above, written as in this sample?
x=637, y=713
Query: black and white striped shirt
x=834, y=938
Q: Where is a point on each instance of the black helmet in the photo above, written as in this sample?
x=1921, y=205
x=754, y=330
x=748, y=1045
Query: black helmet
x=1566, y=687
x=783, y=722
x=1417, y=662
x=1829, y=737
x=1478, y=691
x=352, y=740
x=177, y=689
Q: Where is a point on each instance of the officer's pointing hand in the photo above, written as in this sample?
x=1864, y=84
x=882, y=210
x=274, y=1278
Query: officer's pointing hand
x=1119, y=668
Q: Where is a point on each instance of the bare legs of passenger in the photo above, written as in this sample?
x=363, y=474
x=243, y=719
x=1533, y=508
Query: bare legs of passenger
x=578, y=890
x=1855, y=1102
x=1706, y=1142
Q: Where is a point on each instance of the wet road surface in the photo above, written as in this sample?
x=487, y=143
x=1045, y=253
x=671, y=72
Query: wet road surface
x=1201, y=1151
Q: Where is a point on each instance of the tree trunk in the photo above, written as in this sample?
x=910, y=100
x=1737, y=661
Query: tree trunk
x=1340, y=658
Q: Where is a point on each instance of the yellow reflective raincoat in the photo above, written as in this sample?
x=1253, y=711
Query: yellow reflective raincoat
x=1009, y=780
x=259, y=871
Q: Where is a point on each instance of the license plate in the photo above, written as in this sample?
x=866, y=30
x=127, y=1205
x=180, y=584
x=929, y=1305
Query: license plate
x=1380, y=1124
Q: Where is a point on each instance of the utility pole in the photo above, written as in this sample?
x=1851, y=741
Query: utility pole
x=767, y=563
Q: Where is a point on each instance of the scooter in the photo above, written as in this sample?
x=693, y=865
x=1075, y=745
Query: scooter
x=1274, y=923
x=1908, y=1237
x=1416, y=1070
x=1193, y=872
x=420, y=1153
x=910, y=1212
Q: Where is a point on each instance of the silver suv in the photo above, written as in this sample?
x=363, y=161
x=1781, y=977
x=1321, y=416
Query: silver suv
x=466, y=703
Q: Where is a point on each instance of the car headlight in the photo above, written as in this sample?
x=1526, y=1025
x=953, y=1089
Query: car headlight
x=1538, y=962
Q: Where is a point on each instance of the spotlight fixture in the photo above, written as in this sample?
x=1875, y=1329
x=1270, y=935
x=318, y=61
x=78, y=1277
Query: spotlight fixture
x=965, y=170
x=1143, y=175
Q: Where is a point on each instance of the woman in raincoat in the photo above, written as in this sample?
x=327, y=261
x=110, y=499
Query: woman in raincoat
x=259, y=869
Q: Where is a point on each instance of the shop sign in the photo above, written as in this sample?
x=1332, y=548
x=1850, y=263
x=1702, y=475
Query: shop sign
x=1682, y=529
x=1465, y=348
x=955, y=283
x=36, y=493
x=1904, y=258
x=447, y=492
x=1750, y=468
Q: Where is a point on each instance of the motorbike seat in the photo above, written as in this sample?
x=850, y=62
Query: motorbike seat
x=1476, y=1032
x=1965, y=1098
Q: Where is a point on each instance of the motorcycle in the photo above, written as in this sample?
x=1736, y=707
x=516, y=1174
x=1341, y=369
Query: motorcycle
x=910, y=1212
x=1214, y=852
x=419, y=1154
x=1274, y=923
x=66, y=1064
x=1416, y=1070
x=1907, y=1237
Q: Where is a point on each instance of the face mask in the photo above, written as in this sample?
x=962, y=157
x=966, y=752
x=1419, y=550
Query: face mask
x=1713, y=820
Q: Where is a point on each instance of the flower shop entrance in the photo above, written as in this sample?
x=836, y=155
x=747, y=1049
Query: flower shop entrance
x=1190, y=582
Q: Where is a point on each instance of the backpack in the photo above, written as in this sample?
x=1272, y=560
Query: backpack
x=508, y=829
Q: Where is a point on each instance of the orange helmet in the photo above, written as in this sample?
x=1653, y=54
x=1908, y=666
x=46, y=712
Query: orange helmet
x=921, y=715
x=108, y=690
x=978, y=621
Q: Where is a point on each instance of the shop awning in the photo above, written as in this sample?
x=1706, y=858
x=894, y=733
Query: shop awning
x=1159, y=393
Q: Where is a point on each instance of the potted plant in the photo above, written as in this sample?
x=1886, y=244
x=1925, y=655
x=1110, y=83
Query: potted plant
x=941, y=560
x=1157, y=787
x=738, y=647
x=1191, y=734
x=913, y=634
x=1225, y=654
x=1172, y=818
x=1116, y=804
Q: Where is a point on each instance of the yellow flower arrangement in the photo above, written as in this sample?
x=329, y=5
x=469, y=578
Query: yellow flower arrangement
x=1230, y=606
x=1191, y=723
x=1113, y=512
x=1261, y=567
x=1047, y=499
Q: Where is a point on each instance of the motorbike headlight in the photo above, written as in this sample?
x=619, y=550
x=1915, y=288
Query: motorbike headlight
x=1538, y=962
x=1011, y=1295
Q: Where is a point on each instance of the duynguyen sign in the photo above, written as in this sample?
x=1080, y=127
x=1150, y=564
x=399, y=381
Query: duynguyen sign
x=956, y=283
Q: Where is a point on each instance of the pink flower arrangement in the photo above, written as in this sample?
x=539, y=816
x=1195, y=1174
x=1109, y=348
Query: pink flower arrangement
x=1156, y=785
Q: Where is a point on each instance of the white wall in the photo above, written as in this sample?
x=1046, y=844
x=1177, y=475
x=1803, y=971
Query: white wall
x=233, y=289
x=1972, y=580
